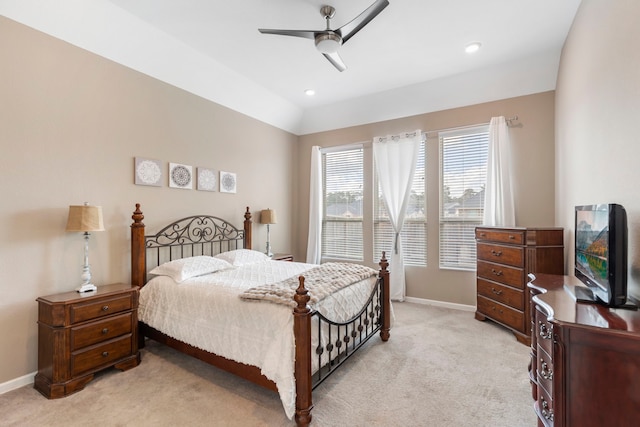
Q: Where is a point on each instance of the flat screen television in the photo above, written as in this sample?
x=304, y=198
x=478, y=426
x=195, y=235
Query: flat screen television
x=601, y=253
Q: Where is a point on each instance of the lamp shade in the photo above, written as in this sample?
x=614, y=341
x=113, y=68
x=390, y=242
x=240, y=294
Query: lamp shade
x=85, y=218
x=268, y=216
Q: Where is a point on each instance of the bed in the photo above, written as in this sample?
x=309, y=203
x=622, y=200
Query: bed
x=317, y=337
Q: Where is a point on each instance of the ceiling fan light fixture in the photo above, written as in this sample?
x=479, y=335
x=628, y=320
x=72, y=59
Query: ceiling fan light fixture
x=328, y=42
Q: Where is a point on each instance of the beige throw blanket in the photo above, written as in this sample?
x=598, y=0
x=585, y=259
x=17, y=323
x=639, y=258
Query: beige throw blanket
x=320, y=281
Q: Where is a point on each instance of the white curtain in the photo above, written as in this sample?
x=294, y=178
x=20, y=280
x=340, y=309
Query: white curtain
x=395, y=158
x=498, y=197
x=314, y=242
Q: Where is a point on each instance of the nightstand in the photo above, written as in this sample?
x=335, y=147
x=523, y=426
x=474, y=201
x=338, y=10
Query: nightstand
x=282, y=257
x=80, y=334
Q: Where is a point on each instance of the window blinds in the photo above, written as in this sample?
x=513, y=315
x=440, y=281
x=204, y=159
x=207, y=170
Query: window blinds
x=463, y=170
x=343, y=179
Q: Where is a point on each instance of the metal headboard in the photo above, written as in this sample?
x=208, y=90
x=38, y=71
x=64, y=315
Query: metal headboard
x=192, y=236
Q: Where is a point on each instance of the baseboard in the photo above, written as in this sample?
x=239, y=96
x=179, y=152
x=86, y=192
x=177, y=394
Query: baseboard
x=443, y=304
x=17, y=383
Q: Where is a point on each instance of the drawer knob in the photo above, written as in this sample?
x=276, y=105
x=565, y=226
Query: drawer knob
x=497, y=273
x=496, y=291
x=105, y=353
x=546, y=412
x=545, y=373
x=105, y=331
x=511, y=237
x=496, y=253
x=482, y=234
x=545, y=334
x=105, y=307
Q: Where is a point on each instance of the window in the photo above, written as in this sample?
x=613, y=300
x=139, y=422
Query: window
x=342, y=185
x=414, y=232
x=463, y=170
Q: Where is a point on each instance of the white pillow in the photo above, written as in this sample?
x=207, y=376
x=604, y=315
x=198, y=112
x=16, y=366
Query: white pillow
x=240, y=257
x=185, y=268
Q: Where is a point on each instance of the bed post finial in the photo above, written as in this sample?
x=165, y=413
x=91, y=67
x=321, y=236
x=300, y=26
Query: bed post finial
x=247, y=229
x=138, y=252
x=137, y=217
x=302, y=332
x=386, y=303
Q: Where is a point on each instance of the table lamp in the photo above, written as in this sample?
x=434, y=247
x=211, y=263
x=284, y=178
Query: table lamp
x=85, y=218
x=268, y=216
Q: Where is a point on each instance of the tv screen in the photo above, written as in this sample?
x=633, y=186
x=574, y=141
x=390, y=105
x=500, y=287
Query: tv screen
x=601, y=251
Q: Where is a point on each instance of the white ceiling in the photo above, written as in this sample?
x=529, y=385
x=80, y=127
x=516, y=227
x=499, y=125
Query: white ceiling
x=213, y=48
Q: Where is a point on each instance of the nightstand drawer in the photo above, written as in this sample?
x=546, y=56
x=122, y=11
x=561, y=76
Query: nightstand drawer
x=85, y=335
x=283, y=257
x=100, y=355
x=104, y=307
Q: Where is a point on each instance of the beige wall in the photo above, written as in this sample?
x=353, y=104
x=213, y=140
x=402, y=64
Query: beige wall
x=597, y=107
x=533, y=165
x=71, y=124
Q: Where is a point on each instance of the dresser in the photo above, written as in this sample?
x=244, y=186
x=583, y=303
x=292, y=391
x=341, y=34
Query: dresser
x=82, y=333
x=505, y=257
x=585, y=358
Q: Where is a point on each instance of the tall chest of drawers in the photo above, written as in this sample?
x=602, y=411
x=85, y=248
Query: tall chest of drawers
x=505, y=257
x=80, y=334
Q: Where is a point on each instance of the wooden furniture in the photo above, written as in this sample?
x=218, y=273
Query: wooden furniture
x=210, y=235
x=282, y=257
x=505, y=257
x=585, y=358
x=82, y=333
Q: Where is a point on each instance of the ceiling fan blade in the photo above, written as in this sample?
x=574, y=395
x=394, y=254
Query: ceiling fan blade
x=296, y=33
x=335, y=59
x=349, y=29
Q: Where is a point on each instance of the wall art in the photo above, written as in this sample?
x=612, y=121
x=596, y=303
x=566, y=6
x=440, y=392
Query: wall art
x=180, y=176
x=228, y=182
x=147, y=172
x=207, y=179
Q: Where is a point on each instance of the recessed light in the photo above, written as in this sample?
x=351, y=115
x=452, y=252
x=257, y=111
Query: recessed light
x=310, y=92
x=473, y=47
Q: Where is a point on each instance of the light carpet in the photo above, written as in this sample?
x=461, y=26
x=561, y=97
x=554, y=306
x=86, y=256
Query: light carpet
x=441, y=367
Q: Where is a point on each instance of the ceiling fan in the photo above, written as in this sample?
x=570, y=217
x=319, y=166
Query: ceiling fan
x=328, y=41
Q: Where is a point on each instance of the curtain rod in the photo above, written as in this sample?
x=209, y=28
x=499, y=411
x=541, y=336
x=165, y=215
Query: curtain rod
x=508, y=120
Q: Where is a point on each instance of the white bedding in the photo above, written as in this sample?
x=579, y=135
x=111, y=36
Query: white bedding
x=207, y=312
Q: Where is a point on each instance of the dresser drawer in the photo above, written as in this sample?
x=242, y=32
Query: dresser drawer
x=501, y=313
x=515, y=237
x=511, y=276
x=100, y=308
x=545, y=406
x=544, y=331
x=504, y=294
x=544, y=371
x=102, y=330
x=100, y=355
x=510, y=255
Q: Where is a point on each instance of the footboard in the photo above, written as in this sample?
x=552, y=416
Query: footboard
x=337, y=341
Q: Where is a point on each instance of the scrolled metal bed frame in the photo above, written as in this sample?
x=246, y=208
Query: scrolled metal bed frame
x=208, y=235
